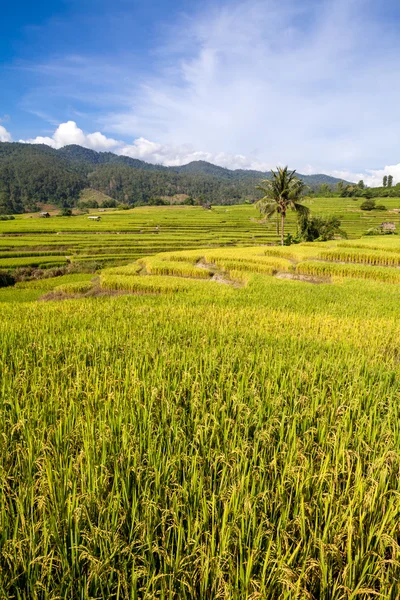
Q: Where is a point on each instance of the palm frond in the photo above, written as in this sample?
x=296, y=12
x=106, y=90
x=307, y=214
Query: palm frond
x=300, y=208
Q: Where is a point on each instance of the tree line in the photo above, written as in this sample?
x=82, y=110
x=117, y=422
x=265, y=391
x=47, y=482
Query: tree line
x=32, y=179
x=359, y=190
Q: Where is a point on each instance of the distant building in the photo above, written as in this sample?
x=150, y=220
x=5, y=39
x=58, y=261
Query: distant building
x=388, y=226
x=45, y=215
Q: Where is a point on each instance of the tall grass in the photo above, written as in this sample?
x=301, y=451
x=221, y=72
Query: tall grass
x=237, y=445
x=357, y=255
x=201, y=440
x=326, y=269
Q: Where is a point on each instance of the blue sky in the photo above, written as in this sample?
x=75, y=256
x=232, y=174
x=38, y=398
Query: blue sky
x=252, y=84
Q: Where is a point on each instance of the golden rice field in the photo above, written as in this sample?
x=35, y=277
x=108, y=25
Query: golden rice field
x=212, y=423
x=125, y=236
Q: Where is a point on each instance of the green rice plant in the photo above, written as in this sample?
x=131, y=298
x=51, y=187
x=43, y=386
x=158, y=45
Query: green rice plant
x=130, y=269
x=158, y=266
x=184, y=256
x=80, y=287
x=250, y=267
x=326, y=269
x=261, y=264
x=240, y=276
x=34, y=261
x=53, y=282
x=155, y=284
x=179, y=445
x=297, y=252
x=194, y=439
x=369, y=257
x=387, y=243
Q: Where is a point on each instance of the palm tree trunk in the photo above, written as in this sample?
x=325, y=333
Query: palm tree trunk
x=282, y=228
x=277, y=224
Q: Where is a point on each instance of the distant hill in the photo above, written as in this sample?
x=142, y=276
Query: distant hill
x=35, y=173
x=201, y=166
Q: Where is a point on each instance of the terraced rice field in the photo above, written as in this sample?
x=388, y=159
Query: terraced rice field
x=126, y=235
x=217, y=422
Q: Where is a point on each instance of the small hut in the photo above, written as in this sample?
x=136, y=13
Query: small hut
x=388, y=226
x=94, y=218
x=45, y=215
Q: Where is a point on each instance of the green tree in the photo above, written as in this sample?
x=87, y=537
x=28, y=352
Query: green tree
x=313, y=227
x=282, y=192
x=390, y=181
x=324, y=190
x=385, y=181
x=340, y=187
x=369, y=204
x=360, y=184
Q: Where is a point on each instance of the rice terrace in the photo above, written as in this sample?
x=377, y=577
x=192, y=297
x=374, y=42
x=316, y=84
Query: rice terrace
x=200, y=412
x=200, y=300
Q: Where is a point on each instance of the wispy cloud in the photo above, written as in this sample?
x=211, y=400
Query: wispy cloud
x=249, y=83
x=290, y=83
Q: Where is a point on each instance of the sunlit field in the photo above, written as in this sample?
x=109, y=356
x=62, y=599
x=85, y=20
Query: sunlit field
x=126, y=235
x=201, y=422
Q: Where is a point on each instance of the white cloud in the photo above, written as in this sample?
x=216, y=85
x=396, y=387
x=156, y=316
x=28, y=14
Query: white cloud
x=245, y=84
x=180, y=155
x=176, y=155
x=69, y=133
x=371, y=177
x=5, y=136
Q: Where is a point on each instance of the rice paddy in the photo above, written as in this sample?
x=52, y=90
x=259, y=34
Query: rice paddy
x=123, y=236
x=199, y=423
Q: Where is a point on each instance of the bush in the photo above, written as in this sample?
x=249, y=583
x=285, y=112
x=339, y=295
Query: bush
x=66, y=212
x=6, y=279
x=368, y=204
x=88, y=204
x=157, y=202
x=312, y=228
x=111, y=203
x=378, y=231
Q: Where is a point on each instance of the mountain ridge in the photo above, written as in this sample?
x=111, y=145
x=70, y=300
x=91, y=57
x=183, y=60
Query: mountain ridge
x=195, y=166
x=32, y=174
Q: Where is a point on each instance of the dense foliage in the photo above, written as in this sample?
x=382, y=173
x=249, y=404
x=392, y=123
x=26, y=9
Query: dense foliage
x=315, y=227
x=32, y=174
x=31, y=179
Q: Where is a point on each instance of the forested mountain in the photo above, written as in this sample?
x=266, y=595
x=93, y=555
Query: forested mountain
x=36, y=173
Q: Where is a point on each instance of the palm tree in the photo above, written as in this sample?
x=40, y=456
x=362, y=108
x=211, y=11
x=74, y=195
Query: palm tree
x=281, y=192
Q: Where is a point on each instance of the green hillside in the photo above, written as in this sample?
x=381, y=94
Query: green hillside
x=32, y=174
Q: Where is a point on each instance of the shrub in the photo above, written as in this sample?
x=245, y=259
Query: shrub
x=6, y=279
x=368, y=204
x=323, y=229
x=111, y=203
x=66, y=212
x=88, y=204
